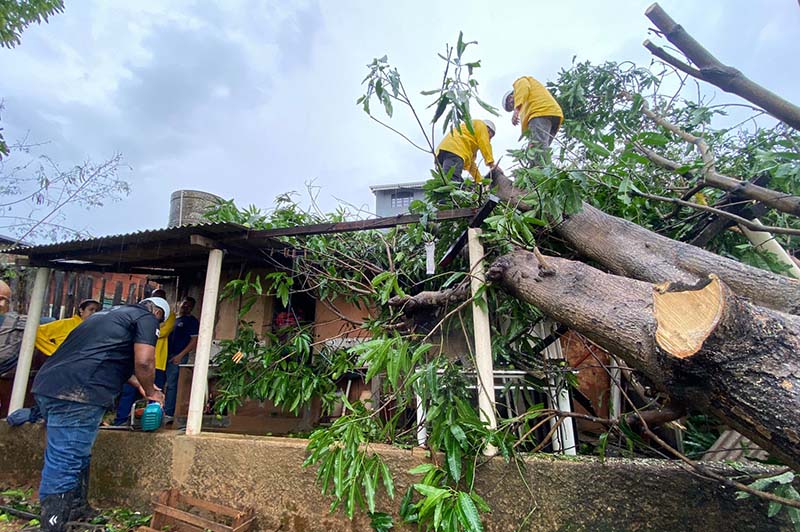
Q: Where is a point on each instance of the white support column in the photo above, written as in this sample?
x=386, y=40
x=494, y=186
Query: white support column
x=483, y=337
x=558, y=392
x=23, y=370
x=202, y=355
x=615, y=376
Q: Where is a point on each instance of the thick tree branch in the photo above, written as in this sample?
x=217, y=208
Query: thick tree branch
x=772, y=198
x=430, y=299
x=720, y=212
x=711, y=70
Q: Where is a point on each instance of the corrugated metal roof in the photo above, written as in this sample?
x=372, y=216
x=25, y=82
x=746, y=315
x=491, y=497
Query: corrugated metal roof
x=145, y=234
x=153, y=249
x=733, y=446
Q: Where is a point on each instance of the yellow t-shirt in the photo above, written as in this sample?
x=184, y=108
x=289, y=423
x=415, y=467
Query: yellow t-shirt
x=51, y=335
x=535, y=100
x=466, y=145
x=161, y=344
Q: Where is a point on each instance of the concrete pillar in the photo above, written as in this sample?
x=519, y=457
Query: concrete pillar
x=483, y=337
x=202, y=356
x=23, y=370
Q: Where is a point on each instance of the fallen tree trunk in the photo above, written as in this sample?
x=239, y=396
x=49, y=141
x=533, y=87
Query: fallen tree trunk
x=633, y=251
x=706, y=347
x=628, y=249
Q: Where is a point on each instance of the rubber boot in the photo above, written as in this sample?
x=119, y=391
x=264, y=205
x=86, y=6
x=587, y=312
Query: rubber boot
x=81, y=511
x=55, y=511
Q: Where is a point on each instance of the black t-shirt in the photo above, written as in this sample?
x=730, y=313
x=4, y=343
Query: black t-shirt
x=96, y=359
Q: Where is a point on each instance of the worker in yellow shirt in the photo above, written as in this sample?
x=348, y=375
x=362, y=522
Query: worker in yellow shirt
x=51, y=335
x=459, y=148
x=130, y=394
x=536, y=111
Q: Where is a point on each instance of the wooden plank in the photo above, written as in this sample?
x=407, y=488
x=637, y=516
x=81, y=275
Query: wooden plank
x=358, y=225
x=245, y=525
x=88, y=287
x=117, y=294
x=186, y=517
x=102, y=296
x=211, y=506
x=131, y=294
x=482, y=331
x=80, y=288
x=158, y=521
x=69, y=301
x=483, y=213
x=58, y=294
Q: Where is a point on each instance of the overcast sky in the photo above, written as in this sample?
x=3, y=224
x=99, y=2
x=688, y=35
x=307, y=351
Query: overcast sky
x=251, y=99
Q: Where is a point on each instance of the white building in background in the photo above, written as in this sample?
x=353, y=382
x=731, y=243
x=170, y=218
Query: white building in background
x=396, y=198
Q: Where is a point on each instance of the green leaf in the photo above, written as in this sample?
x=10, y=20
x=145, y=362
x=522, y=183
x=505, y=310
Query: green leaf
x=459, y=434
x=466, y=506
x=774, y=508
x=369, y=490
x=480, y=502
x=422, y=469
x=440, y=108
x=388, y=483
x=429, y=491
x=597, y=149
x=460, y=46
x=453, y=458
x=381, y=522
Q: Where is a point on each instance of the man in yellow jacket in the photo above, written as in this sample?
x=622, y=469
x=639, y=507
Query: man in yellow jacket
x=51, y=335
x=535, y=110
x=460, y=147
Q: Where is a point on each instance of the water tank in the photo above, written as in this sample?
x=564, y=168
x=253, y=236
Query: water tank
x=186, y=207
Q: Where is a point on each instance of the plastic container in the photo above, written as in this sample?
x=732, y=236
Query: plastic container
x=152, y=417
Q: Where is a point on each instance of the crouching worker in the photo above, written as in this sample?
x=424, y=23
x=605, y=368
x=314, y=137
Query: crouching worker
x=458, y=150
x=76, y=386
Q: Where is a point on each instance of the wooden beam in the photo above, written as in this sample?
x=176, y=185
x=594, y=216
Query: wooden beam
x=482, y=213
x=202, y=355
x=483, y=335
x=358, y=225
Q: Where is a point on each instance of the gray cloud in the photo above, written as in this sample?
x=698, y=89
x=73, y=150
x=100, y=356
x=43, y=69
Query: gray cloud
x=249, y=99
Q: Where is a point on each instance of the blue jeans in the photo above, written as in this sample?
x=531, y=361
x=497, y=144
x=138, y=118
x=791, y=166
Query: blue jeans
x=71, y=430
x=130, y=395
x=172, y=386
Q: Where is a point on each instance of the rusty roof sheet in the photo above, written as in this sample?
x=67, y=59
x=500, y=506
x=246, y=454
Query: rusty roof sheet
x=153, y=249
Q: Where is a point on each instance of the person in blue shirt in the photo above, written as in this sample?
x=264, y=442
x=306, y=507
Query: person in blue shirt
x=182, y=341
x=76, y=386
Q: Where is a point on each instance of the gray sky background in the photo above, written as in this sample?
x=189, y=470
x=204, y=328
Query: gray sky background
x=251, y=99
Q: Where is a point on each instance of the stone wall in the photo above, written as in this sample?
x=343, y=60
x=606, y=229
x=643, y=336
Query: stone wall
x=265, y=473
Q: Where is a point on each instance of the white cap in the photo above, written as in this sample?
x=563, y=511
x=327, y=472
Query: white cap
x=161, y=303
x=490, y=125
x=505, y=101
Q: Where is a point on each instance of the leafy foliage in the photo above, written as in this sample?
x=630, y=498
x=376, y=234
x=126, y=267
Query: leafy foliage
x=16, y=15
x=780, y=485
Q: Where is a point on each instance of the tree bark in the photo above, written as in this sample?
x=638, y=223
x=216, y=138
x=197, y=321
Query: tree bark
x=711, y=70
x=633, y=251
x=741, y=364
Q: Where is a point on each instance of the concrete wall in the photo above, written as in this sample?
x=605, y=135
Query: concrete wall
x=266, y=474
